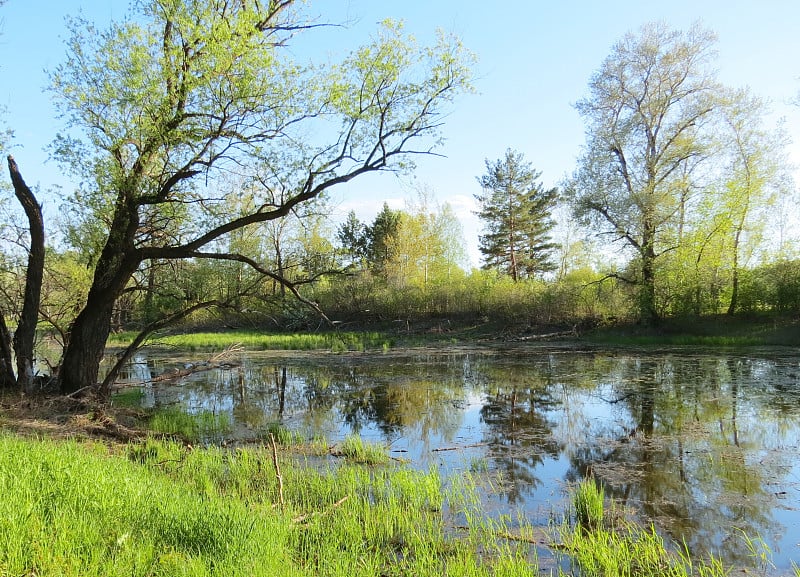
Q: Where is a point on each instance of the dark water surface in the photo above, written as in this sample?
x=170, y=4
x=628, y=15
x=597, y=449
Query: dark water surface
x=704, y=443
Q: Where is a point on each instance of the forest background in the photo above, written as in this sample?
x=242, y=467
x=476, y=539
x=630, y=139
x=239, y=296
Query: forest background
x=681, y=202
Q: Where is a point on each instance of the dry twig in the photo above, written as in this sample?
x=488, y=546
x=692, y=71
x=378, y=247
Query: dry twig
x=278, y=474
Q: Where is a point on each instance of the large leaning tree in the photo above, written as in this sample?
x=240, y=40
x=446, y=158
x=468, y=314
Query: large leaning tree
x=645, y=116
x=184, y=96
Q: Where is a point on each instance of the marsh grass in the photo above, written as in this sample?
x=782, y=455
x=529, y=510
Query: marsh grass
x=355, y=449
x=160, y=507
x=283, y=436
x=589, y=501
x=192, y=427
x=631, y=550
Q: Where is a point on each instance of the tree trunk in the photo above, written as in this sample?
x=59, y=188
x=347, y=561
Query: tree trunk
x=7, y=379
x=647, y=294
x=25, y=335
x=87, y=337
x=80, y=365
x=87, y=340
x=735, y=280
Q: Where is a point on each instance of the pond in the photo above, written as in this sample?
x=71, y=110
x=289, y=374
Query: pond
x=703, y=443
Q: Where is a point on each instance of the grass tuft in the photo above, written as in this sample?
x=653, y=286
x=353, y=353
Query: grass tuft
x=192, y=427
x=588, y=501
x=355, y=449
x=283, y=436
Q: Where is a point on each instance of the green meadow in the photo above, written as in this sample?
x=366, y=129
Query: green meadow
x=159, y=507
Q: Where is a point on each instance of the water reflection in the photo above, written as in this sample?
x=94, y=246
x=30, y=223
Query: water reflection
x=703, y=444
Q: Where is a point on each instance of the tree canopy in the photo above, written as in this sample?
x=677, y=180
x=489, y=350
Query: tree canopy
x=172, y=107
x=645, y=116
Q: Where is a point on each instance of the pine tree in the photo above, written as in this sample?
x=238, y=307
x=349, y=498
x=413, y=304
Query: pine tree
x=380, y=236
x=352, y=236
x=516, y=214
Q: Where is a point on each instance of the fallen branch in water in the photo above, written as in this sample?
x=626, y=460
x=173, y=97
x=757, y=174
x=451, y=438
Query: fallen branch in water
x=215, y=362
x=303, y=518
x=538, y=537
x=546, y=336
x=458, y=448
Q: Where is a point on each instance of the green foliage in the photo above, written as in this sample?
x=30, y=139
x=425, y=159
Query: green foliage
x=379, y=238
x=771, y=287
x=645, y=115
x=516, y=213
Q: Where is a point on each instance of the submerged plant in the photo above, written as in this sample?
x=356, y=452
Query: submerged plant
x=128, y=398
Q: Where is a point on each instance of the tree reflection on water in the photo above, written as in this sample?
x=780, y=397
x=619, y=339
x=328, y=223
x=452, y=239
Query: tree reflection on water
x=703, y=444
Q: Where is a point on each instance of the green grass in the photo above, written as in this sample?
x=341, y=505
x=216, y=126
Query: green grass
x=588, y=501
x=632, y=551
x=161, y=508
x=355, y=449
x=192, y=427
x=332, y=341
x=678, y=340
x=283, y=436
x=127, y=398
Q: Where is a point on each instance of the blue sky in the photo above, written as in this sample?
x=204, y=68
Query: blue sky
x=534, y=61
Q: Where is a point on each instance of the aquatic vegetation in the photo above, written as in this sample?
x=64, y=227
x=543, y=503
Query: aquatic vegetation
x=127, y=398
x=192, y=427
x=282, y=435
x=588, y=501
x=632, y=550
x=355, y=449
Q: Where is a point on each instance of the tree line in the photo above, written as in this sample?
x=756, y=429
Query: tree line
x=206, y=153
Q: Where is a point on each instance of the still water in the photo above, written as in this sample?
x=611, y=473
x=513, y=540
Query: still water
x=703, y=443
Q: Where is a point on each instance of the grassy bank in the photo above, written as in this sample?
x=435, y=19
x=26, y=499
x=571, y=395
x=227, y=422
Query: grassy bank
x=260, y=341
x=162, y=508
x=718, y=331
